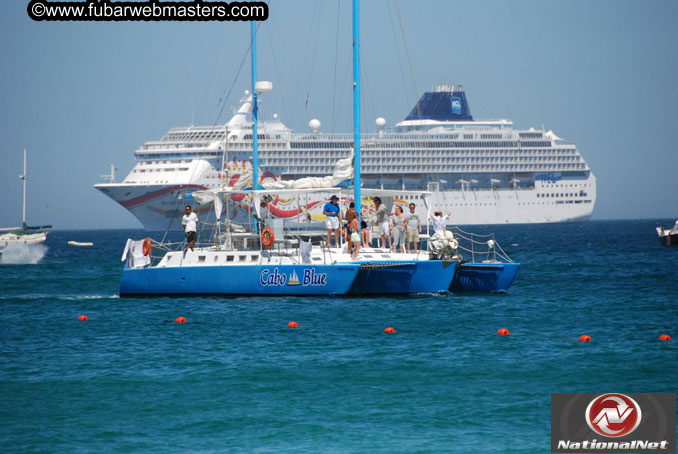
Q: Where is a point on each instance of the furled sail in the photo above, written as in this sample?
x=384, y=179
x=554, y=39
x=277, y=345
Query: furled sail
x=343, y=170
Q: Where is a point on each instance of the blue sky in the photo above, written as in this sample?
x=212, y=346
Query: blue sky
x=81, y=95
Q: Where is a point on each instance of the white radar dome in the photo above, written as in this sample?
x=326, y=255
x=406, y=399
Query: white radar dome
x=314, y=125
x=381, y=122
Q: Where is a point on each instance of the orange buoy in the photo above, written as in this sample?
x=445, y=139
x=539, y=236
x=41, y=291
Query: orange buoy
x=585, y=338
x=389, y=330
x=664, y=337
x=181, y=320
x=147, y=246
x=293, y=325
x=82, y=318
x=503, y=332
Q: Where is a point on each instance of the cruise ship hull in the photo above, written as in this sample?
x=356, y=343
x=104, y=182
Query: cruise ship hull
x=157, y=207
x=160, y=207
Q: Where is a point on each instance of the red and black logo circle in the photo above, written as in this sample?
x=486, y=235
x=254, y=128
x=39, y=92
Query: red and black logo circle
x=613, y=415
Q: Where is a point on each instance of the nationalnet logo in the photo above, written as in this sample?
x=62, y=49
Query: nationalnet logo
x=613, y=422
x=613, y=415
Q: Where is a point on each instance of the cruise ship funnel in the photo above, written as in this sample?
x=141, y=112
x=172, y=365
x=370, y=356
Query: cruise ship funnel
x=445, y=103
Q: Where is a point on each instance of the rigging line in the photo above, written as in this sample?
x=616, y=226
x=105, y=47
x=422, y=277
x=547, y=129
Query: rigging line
x=235, y=79
x=277, y=72
x=336, y=59
x=363, y=113
x=286, y=54
x=315, y=48
x=363, y=75
x=344, y=84
x=211, y=81
x=407, y=54
x=427, y=143
x=397, y=47
x=303, y=61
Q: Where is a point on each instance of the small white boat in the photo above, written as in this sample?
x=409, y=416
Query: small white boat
x=80, y=244
x=23, y=234
x=16, y=237
x=668, y=237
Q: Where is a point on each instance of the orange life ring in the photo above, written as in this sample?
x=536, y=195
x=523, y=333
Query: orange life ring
x=147, y=246
x=267, y=237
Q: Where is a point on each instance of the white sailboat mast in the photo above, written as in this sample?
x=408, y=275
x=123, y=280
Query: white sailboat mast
x=23, y=177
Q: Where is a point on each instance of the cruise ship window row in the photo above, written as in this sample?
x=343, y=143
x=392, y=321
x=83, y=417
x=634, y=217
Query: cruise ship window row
x=191, y=155
x=177, y=146
x=262, y=145
x=555, y=202
x=483, y=162
x=474, y=168
x=567, y=194
x=174, y=146
x=341, y=153
x=314, y=144
x=433, y=153
x=195, y=134
x=565, y=185
x=378, y=167
x=305, y=154
x=169, y=161
x=175, y=169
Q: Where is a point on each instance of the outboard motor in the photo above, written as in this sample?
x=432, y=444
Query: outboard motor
x=443, y=246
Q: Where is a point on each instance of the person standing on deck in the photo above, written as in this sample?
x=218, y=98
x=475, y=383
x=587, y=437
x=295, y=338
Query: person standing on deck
x=382, y=223
x=440, y=222
x=413, y=229
x=399, y=229
x=348, y=217
x=190, y=225
x=333, y=220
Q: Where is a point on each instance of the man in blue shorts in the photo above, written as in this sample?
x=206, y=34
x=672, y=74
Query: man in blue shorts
x=333, y=220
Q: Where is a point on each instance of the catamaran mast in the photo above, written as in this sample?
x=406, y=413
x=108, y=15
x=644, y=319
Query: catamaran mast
x=255, y=111
x=356, y=105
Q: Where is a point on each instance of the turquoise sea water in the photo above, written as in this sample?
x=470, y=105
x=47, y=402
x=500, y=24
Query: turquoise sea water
x=236, y=379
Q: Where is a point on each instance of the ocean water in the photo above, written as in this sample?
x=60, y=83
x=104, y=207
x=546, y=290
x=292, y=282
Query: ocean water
x=235, y=379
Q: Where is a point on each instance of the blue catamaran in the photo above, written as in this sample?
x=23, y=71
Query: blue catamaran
x=242, y=262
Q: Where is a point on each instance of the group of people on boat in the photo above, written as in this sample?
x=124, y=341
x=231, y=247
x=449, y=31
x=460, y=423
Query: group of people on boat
x=399, y=230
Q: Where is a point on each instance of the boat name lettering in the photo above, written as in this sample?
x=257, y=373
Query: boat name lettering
x=274, y=278
x=313, y=278
x=268, y=278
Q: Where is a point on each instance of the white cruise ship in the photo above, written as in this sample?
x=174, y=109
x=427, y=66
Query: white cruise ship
x=483, y=172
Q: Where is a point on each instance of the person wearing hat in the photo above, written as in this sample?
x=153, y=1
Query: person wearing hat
x=333, y=220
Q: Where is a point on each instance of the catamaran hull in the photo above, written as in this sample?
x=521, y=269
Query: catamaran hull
x=484, y=277
x=235, y=280
x=426, y=276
